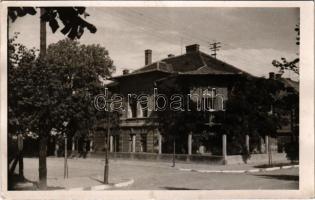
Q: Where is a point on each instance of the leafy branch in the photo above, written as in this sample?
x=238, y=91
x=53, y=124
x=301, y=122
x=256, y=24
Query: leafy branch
x=70, y=17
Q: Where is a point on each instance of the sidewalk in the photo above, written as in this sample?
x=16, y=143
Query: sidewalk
x=197, y=167
x=82, y=175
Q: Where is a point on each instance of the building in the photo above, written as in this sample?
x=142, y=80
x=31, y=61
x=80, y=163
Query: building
x=138, y=129
x=289, y=130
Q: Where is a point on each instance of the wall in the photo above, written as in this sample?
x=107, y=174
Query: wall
x=184, y=158
x=257, y=158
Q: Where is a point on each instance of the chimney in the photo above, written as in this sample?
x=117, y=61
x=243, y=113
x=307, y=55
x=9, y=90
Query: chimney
x=147, y=56
x=170, y=55
x=125, y=71
x=278, y=76
x=192, y=48
x=271, y=75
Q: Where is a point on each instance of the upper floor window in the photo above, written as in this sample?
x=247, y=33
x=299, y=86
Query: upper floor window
x=132, y=109
x=137, y=109
x=144, y=108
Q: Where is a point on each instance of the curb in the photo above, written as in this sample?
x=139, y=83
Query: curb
x=239, y=171
x=105, y=187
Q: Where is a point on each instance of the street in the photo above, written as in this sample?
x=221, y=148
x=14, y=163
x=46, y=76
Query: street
x=157, y=176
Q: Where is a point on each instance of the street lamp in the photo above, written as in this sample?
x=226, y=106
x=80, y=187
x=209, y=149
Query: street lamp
x=106, y=167
x=66, y=151
x=174, y=151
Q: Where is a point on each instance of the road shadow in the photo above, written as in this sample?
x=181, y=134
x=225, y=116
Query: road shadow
x=53, y=188
x=280, y=177
x=177, y=188
x=16, y=183
x=96, y=179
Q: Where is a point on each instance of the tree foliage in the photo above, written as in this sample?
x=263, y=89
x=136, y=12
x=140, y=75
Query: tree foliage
x=176, y=125
x=250, y=111
x=70, y=17
x=47, y=92
x=18, y=56
x=284, y=64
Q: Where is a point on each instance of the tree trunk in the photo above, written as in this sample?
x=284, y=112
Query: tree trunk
x=42, y=163
x=21, y=165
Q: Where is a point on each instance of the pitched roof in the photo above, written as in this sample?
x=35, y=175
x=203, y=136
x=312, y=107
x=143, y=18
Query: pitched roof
x=290, y=83
x=159, y=65
x=190, y=63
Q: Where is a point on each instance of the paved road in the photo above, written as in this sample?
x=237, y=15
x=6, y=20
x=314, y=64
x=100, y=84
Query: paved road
x=157, y=176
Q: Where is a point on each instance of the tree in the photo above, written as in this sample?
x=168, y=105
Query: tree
x=183, y=120
x=250, y=111
x=284, y=64
x=288, y=105
x=73, y=26
x=18, y=55
x=57, y=89
x=290, y=100
x=86, y=66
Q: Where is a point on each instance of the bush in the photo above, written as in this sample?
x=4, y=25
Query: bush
x=292, y=151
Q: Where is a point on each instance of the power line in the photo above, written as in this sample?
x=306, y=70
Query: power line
x=214, y=47
x=160, y=22
x=148, y=21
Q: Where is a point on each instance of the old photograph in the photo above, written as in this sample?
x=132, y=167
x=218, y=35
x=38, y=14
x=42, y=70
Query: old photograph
x=153, y=98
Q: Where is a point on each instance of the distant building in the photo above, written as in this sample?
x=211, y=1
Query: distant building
x=289, y=129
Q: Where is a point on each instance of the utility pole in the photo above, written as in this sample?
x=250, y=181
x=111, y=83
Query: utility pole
x=181, y=46
x=106, y=167
x=214, y=47
x=66, y=157
x=42, y=165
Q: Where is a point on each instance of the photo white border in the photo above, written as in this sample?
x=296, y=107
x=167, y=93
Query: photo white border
x=306, y=183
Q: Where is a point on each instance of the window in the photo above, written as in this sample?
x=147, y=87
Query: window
x=209, y=99
x=132, y=109
x=144, y=108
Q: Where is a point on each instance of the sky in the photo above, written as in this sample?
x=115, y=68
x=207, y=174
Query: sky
x=250, y=37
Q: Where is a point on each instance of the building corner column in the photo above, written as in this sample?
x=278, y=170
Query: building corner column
x=133, y=143
x=73, y=144
x=111, y=143
x=91, y=145
x=189, y=143
x=224, y=151
x=159, y=141
x=247, y=142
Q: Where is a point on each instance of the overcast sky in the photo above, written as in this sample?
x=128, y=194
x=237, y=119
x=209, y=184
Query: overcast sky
x=250, y=37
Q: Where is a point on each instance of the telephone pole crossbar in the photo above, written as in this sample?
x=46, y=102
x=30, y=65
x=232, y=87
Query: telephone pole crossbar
x=214, y=47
